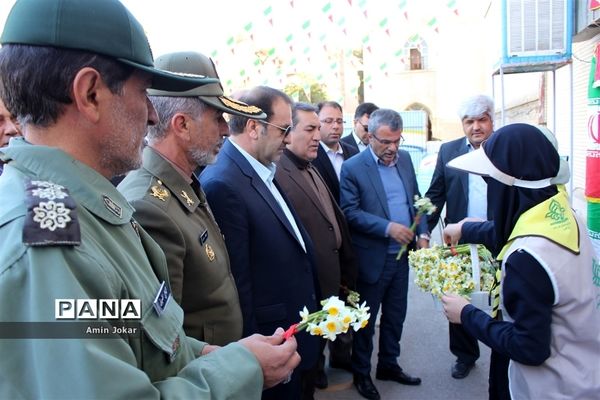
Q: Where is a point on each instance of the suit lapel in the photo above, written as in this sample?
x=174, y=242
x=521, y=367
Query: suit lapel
x=298, y=178
x=464, y=177
x=324, y=160
x=405, y=177
x=375, y=179
x=258, y=185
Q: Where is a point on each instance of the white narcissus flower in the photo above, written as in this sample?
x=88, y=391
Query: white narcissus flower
x=438, y=272
x=333, y=306
x=315, y=329
x=334, y=318
x=304, y=315
x=346, y=318
x=331, y=327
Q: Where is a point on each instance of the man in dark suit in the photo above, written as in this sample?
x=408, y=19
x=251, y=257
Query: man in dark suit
x=465, y=195
x=318, y=211
x=359, y=139
x=271, y=254
x=377, y=196
x=332, y=153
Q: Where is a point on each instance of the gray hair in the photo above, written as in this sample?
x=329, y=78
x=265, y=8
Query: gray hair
x=36, y=80
x=387, y=117
x=166, y=107
x=476, y=106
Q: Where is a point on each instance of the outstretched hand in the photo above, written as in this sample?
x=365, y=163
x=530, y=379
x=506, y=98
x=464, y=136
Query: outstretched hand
x=453, y=232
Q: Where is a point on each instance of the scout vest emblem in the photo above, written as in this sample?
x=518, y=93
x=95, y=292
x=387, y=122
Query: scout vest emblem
x=51, y=215
x=159, y=192
x=209, y=252
x=556, y=213
x=187, y=198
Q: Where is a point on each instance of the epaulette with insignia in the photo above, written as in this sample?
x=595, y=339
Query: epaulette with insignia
x=51, y=216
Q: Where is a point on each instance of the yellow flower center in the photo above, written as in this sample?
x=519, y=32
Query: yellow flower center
x=331, y=326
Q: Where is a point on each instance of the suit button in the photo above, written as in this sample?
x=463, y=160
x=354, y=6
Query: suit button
x=331, y=228
x=335, y=251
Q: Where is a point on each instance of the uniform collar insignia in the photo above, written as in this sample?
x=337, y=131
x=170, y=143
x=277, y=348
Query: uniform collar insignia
x=112, y=206
x=187, y=198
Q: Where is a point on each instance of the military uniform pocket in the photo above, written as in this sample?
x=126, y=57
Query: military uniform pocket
x=164, y=330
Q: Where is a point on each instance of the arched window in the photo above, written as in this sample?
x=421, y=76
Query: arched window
x=415, y=50
x=415, y=59
x=425, y=109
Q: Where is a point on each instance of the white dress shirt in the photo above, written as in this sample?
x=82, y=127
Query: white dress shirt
x=336, y=158
x=477, y=202
x=267, y=174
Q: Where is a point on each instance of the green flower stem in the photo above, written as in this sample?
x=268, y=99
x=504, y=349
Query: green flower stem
x=317, y=316
x=413, y=228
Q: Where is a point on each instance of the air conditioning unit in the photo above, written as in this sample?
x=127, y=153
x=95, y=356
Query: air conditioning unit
x=537, y=27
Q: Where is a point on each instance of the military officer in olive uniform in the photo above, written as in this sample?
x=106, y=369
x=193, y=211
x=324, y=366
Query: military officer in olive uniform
x=171, y=206
x=75, y=73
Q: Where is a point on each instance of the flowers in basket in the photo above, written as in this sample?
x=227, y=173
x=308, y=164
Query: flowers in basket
x=334, y=318
x=440, y=270
x=423, y=206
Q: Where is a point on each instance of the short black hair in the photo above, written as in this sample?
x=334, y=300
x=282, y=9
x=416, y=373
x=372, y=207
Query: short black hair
x=365, y=108
x=298, y=106
x=262, y=97
x=333, y=104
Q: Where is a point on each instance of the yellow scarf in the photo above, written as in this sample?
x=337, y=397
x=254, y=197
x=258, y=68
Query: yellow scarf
x=552, y=219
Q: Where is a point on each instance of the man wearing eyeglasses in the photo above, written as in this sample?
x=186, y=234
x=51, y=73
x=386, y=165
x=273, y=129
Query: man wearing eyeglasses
x=464, y=195
x=332, y=152
x=359, y=138
x=271, y=254
x=377, y=194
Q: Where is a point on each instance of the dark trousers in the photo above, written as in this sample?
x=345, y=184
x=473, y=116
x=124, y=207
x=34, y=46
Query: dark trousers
x=340, y=350
x=389, y=292
x=291, y=390
x=498, y=379
x=464, y=346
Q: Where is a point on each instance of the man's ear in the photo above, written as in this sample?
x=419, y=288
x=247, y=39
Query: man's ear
x=89, y=92
x=180, y=125
x=253, y=127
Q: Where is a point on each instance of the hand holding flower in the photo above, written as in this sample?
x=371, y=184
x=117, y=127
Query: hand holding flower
x=277, y=357
x=453, y=306
x=423, y=206
x=334, y=318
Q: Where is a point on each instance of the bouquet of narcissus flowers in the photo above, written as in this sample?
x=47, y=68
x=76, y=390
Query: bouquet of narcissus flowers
x=464, y=269
x=423, y=206
x=334, y=318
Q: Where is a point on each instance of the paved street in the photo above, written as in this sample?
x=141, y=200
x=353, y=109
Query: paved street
x=425, y=354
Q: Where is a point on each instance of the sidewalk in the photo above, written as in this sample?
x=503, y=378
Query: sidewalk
x=424, y=353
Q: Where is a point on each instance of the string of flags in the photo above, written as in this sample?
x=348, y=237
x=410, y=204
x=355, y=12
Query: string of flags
x=298, y=36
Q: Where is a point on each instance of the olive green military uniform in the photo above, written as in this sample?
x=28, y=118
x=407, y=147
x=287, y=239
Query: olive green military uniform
x=66, y=233
x=180, y=221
